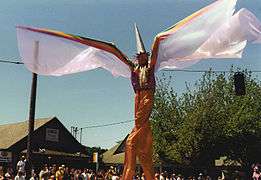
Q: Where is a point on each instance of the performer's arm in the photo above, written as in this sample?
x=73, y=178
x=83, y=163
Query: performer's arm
x=72, y=53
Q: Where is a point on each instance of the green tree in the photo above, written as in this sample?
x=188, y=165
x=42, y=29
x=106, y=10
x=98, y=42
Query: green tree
x=207, y=122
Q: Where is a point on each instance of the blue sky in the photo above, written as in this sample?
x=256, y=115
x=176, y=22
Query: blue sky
x=95, y=97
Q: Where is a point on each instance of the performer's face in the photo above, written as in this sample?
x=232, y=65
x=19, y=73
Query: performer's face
x=142, y=59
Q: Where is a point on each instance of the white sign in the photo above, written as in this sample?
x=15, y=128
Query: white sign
x=52, y=135
x=5, y=156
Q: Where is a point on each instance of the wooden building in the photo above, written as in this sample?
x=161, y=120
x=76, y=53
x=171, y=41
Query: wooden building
x=51, y=143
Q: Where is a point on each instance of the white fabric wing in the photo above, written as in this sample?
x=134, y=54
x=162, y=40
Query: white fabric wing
x=59, y=56
x=231, y=38
x=188, y=35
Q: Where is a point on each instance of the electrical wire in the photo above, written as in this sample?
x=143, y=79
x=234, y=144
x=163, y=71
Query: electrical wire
x=204, y=71
x=7, y=60
x=10, y=62
x=170, y=70
x=104, y=125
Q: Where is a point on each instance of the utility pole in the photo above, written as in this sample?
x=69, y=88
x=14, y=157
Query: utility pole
x=31, y=116
x=75, y=131
x=72, y=131
x=81, y=136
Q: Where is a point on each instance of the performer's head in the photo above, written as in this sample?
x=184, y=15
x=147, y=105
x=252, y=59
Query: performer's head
x=142, y=58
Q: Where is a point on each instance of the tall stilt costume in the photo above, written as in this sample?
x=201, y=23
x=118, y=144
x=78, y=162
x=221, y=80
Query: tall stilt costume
x=212, y=32
x=139, y=142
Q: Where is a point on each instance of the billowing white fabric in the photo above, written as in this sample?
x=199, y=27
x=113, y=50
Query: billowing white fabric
x=59, y=56
x=196, y=30
x=212, y=32
x=231, y=38
x=216, y=33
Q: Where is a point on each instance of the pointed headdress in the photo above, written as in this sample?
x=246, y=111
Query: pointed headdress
x=139, y=43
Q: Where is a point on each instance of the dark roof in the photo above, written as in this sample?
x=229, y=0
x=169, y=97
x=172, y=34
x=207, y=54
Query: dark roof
x=12, y=133
x=115, y=155
x=109, y=158
x=121, y=147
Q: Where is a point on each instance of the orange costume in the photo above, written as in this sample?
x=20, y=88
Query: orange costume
x=139, y=142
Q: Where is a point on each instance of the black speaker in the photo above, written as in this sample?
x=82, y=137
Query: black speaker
x=239, y=82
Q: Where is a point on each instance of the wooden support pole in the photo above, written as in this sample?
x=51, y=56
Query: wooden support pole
x=31, y=115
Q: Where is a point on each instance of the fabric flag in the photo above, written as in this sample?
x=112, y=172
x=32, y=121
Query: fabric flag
x=59, y=53
x=212, y=32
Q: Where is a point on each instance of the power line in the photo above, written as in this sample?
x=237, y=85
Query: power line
x=104, y=125
x=203, y=71
x=11, y=62
x=168, y=70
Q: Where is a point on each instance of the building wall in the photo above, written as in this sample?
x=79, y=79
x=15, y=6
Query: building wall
x=52, y=136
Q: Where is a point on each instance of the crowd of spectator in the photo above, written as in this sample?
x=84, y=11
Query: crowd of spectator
x=62, y=172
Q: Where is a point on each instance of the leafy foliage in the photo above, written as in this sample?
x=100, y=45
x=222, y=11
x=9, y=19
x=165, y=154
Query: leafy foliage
x=207, y=122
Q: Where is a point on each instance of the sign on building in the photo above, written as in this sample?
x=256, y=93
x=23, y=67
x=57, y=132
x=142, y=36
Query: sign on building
x=52, y=135
x=95, y=157
x=5, y=156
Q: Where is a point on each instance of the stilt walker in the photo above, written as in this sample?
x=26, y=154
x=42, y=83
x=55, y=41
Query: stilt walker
x=212, y=32
x=139, y=142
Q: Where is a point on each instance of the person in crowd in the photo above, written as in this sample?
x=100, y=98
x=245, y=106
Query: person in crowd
x=100, y=176
x=21, y=165
x=256, y=172
x=161, y=177
x=79, y=174
x=143, y=176
x=59, y=173
x=9, y=174
x=1, y=173
x=33, y=176
x=173, y=176
x=115, y=176
x=208, y=178
x=179, y=177
x=66, y=175
x=92, y=175
x=44, y=173
x=20, y=175
x=191, y=178
x=71, y=173
x=200, y=176
x=84, y=174
x=53, y=170
x=156, y=176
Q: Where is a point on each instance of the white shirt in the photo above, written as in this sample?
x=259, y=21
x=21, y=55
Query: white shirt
x=21, y=165
x=19, y=177
x=85, y=176
x=114, y=177
x=161, y=177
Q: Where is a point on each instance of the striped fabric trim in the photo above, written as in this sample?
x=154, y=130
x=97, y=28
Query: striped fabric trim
x=106, y=46
x=163, y=35
x=186, y=21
